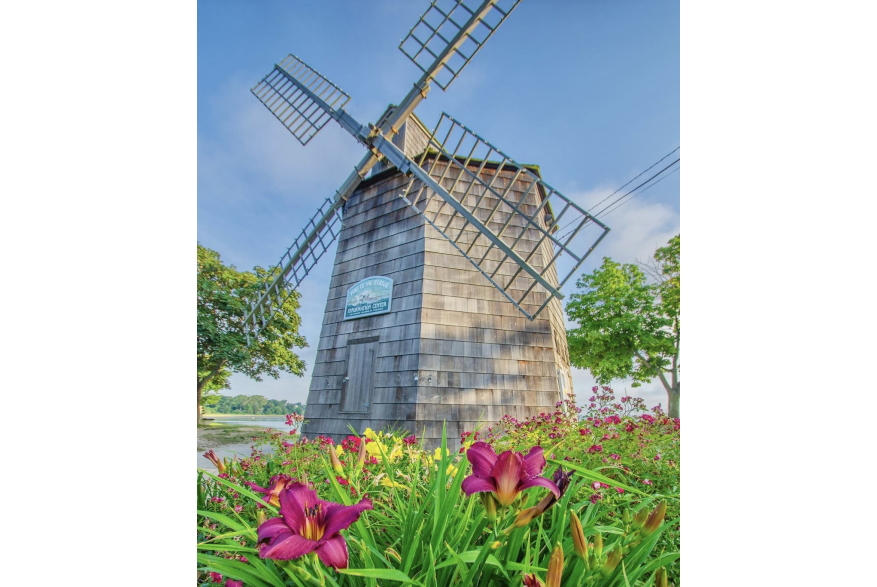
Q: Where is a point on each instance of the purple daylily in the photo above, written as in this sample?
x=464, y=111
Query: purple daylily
x=505, y=475
x=272, y=493
x=308, y=524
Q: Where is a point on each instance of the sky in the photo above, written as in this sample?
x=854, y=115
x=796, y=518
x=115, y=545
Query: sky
x=589, y=91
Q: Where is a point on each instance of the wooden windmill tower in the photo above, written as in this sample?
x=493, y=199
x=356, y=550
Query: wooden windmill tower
x=444, y=304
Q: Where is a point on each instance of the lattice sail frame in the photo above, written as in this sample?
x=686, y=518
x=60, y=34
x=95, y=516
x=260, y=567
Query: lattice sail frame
x=290, y=105
x=304, y=100
x=430, y=36
x=287, y=275
x=525, y=219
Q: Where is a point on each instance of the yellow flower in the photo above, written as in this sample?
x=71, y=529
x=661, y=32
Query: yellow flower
x=372, y=449
x=339, y=450
x=387, y=482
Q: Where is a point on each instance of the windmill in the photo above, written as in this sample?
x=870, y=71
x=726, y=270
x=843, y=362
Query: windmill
x=510, y=229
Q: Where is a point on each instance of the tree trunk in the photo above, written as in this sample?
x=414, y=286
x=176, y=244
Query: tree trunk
x=673, y=395
x=200, y=385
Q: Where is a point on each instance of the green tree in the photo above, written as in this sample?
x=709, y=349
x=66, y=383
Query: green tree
x=210, y=396
x=294, y=408
x=223, y=297
x=628, y=327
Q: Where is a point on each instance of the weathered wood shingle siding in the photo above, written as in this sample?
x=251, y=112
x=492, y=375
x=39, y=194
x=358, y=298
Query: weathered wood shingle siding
x=475, y=356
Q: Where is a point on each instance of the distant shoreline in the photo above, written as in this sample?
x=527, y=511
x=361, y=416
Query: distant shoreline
x=252, y=416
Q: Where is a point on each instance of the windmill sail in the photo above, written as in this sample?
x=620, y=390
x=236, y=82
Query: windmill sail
x=295, y=264
x=286, y=93
x=500, y=227
x=441, y=44
x=450, y=33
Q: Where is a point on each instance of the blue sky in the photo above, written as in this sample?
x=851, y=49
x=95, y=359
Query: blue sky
x=587, y=90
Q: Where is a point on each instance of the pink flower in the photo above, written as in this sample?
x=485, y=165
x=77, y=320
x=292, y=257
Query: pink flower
x=619, y=490
x=215, y=577
x=309, y=524
x=272, y=494
x=596, y=448
x=647, y=481
x=505, y=475
x=595, y=496
x=657, y=457
x=231, y=583
x=614, y=456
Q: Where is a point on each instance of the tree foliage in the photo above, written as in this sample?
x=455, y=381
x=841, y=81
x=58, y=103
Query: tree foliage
x=254, y=404
x=223, y=297
x=628, y=326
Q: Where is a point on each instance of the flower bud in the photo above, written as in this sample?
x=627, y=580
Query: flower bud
x=578, y=537
x=612, y=560
x=555, y=567
x=211, y=456
x=655, y=518
x=336, y=463
x=531, y=580
x=360, y=459
x=261, y=517
x=639, y=518
x=524, y=517
x=661, y=577
x=593, y=561
x=598, y=545
x=496, y=544
x=625, y=516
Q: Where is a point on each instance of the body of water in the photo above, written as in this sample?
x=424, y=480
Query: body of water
x=278, y=422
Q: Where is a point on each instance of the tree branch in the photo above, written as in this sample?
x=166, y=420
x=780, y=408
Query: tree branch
x=211, y=375
x=658, y=371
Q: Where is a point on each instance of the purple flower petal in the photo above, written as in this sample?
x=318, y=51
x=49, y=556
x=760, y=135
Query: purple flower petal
x=293, y=502
x=534, y=462
x=292, y=547
x=473, y=484
x=541, y=482
x=507, y=471
x=333, y=552
x=482, y=457
x=271, y=528
x=337, y=517
x=255, y=487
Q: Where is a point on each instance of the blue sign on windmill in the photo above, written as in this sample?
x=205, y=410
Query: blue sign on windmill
x=369, y=297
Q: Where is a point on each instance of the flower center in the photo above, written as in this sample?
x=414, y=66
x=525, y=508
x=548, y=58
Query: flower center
x=313, y=528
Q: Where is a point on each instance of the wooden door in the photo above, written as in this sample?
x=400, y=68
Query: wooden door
x=360, y=379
